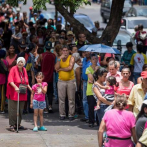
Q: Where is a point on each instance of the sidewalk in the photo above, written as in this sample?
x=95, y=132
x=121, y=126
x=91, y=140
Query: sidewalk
x=59, y=134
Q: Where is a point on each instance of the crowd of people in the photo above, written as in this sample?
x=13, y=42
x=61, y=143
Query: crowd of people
x=40, y=59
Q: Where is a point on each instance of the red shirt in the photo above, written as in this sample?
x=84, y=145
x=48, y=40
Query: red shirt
x=47, y=66
x=14, y=76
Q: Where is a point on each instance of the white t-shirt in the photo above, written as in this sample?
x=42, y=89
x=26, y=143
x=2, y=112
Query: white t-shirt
x=138, y=61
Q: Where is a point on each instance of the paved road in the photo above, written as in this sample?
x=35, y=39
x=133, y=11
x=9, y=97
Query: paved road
x=59, y=134
x=92, y=11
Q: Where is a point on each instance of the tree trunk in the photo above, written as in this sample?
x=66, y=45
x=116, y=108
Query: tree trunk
x=114, y=23
x=112, y=27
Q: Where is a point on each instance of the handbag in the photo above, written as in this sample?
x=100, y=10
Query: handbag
x=22, y=87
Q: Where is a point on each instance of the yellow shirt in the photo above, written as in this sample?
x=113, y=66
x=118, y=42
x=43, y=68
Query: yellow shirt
x=136, y=98
x=66, y=75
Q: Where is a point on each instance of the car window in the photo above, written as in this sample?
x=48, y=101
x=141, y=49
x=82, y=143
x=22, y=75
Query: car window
x=85, y=21
x=127, y=4
x=123, y=37
x=142, y=12
x=107, y=4
x=133, y=23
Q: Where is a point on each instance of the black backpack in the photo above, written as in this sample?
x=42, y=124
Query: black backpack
x=3, y=68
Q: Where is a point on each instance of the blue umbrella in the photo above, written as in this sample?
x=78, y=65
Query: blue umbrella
x=99, y=48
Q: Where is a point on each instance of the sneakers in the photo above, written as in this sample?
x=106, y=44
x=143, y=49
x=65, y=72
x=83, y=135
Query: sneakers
x=62, y=117
x=96, y=108
x=50, y=109
x=83, y=119
x=45, y=111
x=71, y=118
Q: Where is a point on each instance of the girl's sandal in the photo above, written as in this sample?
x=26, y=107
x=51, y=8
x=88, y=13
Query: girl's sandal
x=12, y=129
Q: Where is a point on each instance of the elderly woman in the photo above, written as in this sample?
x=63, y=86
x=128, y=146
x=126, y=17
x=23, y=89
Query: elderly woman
x=125, y=86
x=16, y=78
x=119, y=128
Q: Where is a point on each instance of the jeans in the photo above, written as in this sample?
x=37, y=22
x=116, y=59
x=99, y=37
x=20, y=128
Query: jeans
x=136, y=75
x=55, y=88
x=85, y=102
x=100, y=112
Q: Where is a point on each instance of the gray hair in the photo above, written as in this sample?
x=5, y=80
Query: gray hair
x=112, y=63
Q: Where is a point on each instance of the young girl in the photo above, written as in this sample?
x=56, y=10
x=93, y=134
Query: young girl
x=38, y=100
x=109, y=90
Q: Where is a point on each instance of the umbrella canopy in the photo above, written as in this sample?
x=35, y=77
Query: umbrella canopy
x=99, y=48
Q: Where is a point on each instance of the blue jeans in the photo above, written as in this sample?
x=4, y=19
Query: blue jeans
x=55, y=87
x=100, y=112
x=136, y=75
x=85, y=102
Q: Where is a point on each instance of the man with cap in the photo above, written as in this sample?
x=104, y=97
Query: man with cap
x=70, y=38
x=47, y=61
x=31, y=13
x=137, y=94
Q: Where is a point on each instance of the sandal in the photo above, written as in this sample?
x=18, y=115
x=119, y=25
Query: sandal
x=12, y=129
x=42, y=128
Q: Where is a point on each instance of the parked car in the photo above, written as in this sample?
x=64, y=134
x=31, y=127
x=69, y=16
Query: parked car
x=82, y=18
x=137, y=11
x=106, y=8
x=121, y=40
x=85, y=20
x=128, y=23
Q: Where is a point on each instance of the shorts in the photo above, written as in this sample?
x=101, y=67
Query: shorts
x=39, y=104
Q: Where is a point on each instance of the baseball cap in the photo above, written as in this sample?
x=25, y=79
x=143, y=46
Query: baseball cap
x=70, y=33
x=31, y=8
x=144, y=102
x=144, y=74
x=48, y=45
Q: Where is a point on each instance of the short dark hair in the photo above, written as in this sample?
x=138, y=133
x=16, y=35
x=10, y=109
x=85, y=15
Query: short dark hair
x=129, y=44
x=139, y=48
x=39, y=74
x=140, y=27
x=144, y=67
x=65, y=46
x=93, y=55
x=99, y=72
x=111, y=80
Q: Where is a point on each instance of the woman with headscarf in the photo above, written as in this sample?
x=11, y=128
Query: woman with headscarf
x=17, y=79
x=119, y=125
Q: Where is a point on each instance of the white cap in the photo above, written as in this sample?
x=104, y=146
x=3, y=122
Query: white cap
x=145, y=102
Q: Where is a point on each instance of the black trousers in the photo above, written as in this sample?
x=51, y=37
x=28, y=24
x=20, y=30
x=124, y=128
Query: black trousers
x=91, y=102
x=50, y=91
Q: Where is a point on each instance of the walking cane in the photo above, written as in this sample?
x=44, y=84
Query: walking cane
x=17, y=111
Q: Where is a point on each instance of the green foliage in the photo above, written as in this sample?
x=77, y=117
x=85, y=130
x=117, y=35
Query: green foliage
x=41, y=4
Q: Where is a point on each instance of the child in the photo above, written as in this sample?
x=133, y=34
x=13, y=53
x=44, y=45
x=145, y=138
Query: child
x=38, y=101
x=109, y=90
